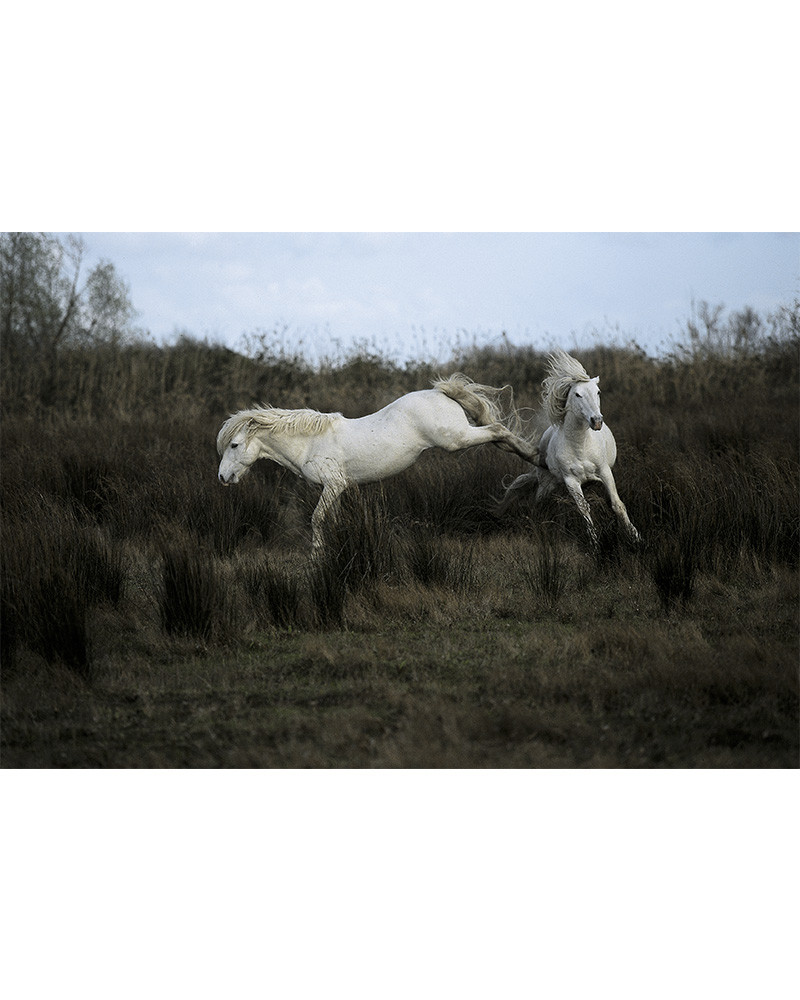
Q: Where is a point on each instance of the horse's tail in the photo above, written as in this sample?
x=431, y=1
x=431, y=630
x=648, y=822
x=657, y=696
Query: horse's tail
x=482, y=403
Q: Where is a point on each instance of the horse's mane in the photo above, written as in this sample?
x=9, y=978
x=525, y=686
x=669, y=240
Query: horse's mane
x=276, y=421
x=563, y=371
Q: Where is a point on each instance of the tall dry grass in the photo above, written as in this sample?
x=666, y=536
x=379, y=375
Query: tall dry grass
x=115, y=530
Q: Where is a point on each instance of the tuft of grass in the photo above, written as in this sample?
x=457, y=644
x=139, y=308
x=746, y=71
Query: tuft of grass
x=359, y=547
x=461, y=569
x=59, y=632
x=275, y=594
x=548, y=573
x=55, y=570
x=193, y=598
x=327, y=581
x=673, y=568
x=436, y=560
x=425, y=558
x=9, y=622
x=360, y=535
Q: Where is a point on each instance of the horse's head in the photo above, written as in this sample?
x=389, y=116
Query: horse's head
x=584, y=401
x=239, y=449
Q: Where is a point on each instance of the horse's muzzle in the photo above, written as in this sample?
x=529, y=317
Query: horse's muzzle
x=596, y=423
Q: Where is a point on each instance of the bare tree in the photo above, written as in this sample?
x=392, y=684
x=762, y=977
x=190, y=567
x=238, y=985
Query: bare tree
x=712, y=333
x=45, y=305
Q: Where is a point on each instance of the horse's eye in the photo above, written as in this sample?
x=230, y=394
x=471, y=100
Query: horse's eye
x=234, y=445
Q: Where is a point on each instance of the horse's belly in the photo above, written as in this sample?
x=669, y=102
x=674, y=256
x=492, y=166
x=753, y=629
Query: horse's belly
x=379, y=462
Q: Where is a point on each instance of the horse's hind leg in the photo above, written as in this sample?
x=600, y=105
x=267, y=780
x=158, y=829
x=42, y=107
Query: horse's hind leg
x=471, y=435
x=541, y=481
x=547, y=483
x=522, y=484
x=508, y=441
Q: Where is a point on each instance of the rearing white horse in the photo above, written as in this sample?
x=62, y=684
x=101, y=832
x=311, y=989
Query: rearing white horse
x=332, y=451
x=577, y=447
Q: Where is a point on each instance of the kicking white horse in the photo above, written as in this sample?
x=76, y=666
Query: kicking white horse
x=577, y=447
x=332, y=451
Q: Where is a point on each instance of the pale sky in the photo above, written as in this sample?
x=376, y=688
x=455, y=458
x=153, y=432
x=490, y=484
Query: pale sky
x=419, y=295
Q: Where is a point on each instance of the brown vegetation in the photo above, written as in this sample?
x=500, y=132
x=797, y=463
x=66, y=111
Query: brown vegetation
x=151, y=618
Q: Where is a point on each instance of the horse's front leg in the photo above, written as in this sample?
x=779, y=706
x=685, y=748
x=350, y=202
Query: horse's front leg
x=574, y=488
x=617, y=505
x=331, y=492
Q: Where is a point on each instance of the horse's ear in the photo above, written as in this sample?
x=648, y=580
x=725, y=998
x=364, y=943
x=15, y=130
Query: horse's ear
x=596, y=380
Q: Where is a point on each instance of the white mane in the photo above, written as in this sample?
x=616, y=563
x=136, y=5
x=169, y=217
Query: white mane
x=277, y=421
x=562, y=373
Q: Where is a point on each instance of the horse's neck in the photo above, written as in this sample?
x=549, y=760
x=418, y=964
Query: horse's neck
x=287, y=450
x=575, y=430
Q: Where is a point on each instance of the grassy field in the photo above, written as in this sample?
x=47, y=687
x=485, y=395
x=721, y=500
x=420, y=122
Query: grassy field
x=153, y=619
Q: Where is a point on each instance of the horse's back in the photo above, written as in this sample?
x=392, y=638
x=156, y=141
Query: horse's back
x=419, y=409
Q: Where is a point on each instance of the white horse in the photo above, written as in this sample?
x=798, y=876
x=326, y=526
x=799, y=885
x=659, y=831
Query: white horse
x=332, y=451
x=578, y=445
